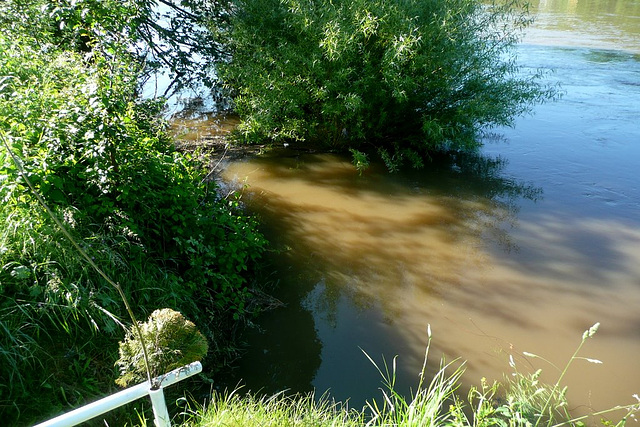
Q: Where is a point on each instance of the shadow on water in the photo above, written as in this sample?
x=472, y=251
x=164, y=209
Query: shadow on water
x=584, y=250
x=445, y=172
x=457, y=197
x=351, y=249
x=584, y=151
x=365, y=263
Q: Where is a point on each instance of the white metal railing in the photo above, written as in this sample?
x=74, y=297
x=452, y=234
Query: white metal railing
x=160, y=413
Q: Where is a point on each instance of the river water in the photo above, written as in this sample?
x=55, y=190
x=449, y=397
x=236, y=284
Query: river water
x=519, y=248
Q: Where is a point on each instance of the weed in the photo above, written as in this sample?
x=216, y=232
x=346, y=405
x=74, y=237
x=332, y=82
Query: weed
x=522, y=401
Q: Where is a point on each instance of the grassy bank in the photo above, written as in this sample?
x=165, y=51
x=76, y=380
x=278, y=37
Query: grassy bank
x=521, y=400
x=75, y=138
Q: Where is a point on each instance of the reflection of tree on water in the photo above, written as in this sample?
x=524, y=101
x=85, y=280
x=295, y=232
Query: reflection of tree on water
x=610, y=24
x=588, y=8
x=284, y=353
x=348, y=240
x=483, y=176
x=467, y=194
x=478, y=206
x=476, y=187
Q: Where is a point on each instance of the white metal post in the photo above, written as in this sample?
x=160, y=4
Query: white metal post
x=160, y=412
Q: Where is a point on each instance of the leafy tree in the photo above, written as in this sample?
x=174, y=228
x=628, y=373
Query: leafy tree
x=402, y=77
x=178, y=37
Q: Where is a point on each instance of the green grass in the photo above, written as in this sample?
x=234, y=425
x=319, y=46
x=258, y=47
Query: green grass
x=521, y=401
x=234, y=409
x=57, y=317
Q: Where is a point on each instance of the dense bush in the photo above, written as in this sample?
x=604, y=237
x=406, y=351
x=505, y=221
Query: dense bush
x=105, y=164
x=402, y=77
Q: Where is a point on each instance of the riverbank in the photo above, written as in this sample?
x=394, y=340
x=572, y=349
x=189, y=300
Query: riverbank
x=207, y=135
x=103, y=222
x=519, y=400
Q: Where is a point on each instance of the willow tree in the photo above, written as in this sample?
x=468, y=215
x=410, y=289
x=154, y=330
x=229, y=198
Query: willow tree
x=400, y=77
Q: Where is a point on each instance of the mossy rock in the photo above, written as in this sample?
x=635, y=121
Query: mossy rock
x=171, y=341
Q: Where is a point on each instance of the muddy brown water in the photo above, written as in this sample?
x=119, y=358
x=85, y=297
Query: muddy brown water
x=519, y=248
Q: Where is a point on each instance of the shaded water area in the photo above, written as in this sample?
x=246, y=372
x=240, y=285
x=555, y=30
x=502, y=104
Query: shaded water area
x=520, y=247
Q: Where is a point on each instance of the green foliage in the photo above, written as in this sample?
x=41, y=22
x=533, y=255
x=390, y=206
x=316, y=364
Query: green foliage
x=528, y=396
x=397, y=77
x=529, y=402
x=172, y=342
x=91, y=146
x=162, y=36
x=234, y=409
x=57, y=316
x=360, y=160
x=105, y=164
x=427, y=405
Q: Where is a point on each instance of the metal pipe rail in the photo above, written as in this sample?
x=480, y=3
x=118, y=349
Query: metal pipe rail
x=99, y=407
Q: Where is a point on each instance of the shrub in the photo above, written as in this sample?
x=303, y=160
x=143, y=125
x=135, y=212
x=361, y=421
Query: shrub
x=166, y=37
x=400, y=77
x=59, y=321
x=171, y=342
x=105, y=164
x=89, y=144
